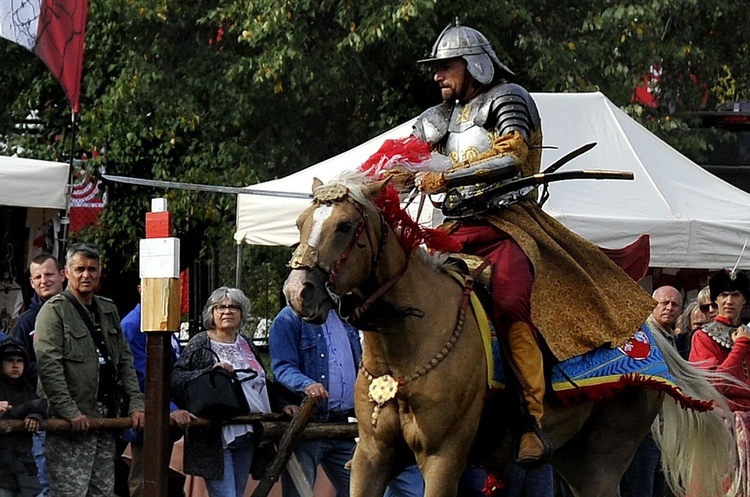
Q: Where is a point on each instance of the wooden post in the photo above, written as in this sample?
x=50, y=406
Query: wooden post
x=287, y=444
x=160, y=317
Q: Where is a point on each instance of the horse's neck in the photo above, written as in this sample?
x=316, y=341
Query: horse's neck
x=430, y=299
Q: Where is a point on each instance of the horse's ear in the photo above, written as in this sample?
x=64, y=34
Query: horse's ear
x=316, y=184
x=374, y=188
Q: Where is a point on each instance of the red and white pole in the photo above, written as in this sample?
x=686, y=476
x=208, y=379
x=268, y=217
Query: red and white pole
x=160, y=317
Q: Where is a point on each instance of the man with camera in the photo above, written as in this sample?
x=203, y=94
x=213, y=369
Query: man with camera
x=85, y=371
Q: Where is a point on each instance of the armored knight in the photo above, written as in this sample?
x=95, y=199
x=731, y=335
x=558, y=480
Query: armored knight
x=491, y=129
x=724, y=344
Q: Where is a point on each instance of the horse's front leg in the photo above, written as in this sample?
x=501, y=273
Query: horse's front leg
x=377, y=455
x=372, y=468
x=442, y=468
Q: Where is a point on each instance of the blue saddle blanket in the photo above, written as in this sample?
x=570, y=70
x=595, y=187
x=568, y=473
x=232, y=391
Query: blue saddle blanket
x=603, y=372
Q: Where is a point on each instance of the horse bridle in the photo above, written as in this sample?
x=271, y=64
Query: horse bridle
x=306, y=256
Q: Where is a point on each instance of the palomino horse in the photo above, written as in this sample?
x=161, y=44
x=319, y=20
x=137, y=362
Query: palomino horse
x=418, y=331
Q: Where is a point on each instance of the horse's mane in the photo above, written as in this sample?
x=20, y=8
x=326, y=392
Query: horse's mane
x=409, y=233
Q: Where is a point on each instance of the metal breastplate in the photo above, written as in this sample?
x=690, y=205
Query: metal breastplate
x=466, y=140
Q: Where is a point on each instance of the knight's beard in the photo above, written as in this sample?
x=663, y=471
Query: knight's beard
x=448, y=93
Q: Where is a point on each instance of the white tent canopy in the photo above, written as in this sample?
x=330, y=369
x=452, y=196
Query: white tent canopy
x=33, y=183
x=695, y=220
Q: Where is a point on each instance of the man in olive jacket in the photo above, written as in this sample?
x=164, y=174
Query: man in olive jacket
x=83, y=360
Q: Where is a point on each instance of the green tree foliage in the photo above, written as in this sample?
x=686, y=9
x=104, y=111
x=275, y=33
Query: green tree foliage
x=236, y=92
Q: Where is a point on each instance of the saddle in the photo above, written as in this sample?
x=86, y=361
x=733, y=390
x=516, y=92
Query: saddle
x=477, y=267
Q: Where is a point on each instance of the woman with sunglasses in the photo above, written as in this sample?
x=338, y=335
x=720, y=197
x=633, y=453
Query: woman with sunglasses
x=706, y=305
x=223, y=455
x=691, y=320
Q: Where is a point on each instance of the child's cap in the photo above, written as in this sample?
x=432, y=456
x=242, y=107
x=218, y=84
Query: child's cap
x=12, y=347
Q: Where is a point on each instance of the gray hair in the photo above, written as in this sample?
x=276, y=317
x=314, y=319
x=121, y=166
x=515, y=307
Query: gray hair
x=88, y=250
x=683, y=322
x=235, y=295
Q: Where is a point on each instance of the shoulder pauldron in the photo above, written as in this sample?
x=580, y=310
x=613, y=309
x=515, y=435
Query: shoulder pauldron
x=432, y=125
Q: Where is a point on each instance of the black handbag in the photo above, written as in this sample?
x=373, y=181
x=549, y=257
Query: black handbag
x=217, y=394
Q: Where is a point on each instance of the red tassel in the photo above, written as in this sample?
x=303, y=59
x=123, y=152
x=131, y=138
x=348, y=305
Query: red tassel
x=409, y=151
x=492, y=485
x=409, y=233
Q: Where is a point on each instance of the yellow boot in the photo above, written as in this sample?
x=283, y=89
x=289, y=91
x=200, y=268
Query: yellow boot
x=529, y=368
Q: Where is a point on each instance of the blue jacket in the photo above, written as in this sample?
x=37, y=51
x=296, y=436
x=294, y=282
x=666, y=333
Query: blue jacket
x=25, y=325
x=299, y=354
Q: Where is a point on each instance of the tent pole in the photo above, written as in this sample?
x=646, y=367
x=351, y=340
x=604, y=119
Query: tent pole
x=238, y=267
x=65, y=221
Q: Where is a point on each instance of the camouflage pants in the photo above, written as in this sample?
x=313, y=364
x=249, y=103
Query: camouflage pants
x=81, y=465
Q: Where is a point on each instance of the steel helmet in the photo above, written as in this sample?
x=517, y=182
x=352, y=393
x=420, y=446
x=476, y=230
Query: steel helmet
x=473, y=47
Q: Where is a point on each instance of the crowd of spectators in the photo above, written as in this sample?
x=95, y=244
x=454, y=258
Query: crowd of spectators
x=65, y=355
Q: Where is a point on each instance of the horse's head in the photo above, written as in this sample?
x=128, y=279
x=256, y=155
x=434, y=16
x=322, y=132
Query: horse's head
x=341, y=237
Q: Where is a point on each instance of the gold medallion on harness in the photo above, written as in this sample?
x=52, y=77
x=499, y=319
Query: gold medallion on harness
x=382, y=389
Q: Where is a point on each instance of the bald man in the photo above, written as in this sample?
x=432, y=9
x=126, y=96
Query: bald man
x=667, y=310
x=644, y=477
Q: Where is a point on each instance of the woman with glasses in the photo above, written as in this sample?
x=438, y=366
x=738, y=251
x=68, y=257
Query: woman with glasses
x=223, y=455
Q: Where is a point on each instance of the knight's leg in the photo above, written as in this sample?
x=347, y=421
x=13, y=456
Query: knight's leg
x=512, y=283
x=528, y=363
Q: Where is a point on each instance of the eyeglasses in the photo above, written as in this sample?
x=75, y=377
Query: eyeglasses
x=707, y=307
x=227, y=308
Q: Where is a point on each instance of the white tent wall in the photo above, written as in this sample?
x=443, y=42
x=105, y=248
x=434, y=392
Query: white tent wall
x=39, y=188
x=33, y=183
x=695, y=220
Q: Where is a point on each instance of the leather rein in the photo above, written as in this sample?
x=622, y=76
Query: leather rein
x=306, y=256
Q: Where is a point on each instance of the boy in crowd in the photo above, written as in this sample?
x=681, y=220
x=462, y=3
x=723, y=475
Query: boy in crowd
x=18, y=400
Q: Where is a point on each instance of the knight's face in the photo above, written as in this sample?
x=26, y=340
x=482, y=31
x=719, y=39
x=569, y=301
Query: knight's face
x=454, y=80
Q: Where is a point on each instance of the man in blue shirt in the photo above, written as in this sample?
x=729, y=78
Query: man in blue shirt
x=318, y=361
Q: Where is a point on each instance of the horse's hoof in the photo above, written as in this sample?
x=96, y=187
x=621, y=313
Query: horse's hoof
x=530, y=449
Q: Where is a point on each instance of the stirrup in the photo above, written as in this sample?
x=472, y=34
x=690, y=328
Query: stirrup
x=544, y=452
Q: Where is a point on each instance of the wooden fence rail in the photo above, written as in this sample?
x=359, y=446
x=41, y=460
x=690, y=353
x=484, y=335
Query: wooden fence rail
x=274, y=426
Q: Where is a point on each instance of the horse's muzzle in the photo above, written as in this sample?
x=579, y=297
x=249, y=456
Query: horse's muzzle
x=306, y=294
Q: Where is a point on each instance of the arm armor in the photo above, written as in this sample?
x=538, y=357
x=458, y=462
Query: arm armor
x=489, y=170
x=510, y=108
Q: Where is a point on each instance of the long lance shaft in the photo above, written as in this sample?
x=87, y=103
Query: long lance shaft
x=203, y=188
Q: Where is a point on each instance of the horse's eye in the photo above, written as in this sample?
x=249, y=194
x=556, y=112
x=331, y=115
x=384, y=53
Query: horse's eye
x=344, y=227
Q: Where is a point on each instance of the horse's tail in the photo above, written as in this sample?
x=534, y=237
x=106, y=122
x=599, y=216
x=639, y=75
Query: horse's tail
x=698, y=449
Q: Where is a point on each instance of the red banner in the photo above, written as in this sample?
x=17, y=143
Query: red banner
x=54, y=30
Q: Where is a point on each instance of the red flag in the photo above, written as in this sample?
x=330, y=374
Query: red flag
x=55, y=31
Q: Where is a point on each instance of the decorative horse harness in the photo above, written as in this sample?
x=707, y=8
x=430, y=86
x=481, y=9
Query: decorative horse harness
x=382, y=388
x=306, y=256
